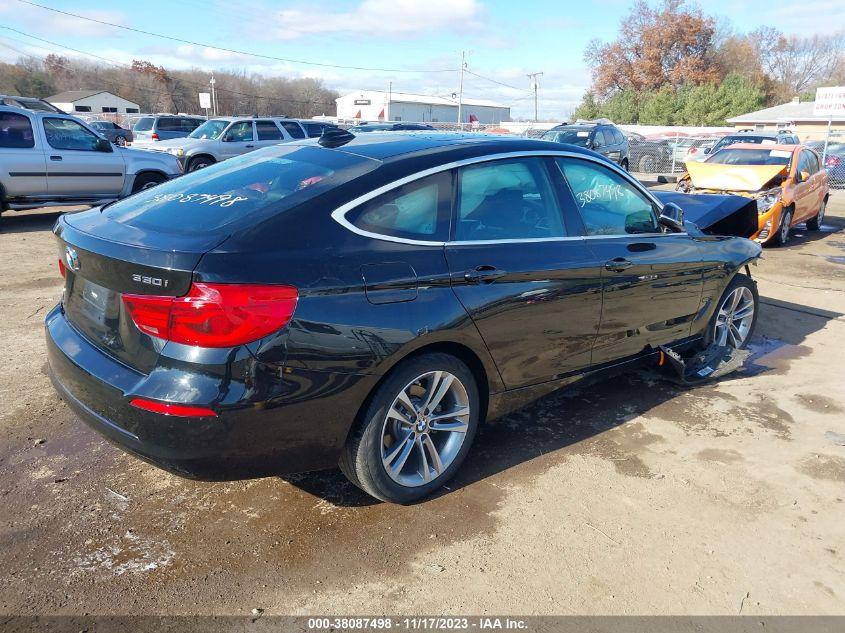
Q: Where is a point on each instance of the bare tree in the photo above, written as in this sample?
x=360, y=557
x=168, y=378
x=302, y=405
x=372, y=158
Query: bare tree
x=798, y=64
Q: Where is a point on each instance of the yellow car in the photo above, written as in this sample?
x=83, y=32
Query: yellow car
x=787, y=181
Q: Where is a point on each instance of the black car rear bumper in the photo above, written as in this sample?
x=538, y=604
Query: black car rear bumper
x=304, y=430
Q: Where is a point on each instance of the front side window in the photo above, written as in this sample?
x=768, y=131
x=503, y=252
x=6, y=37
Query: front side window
x=267, y=131
x=607, y=202
x=67, y=134
x=239, y=132
x=418, y=210
x=15, y=130
x=507, y=200
x=293, y=129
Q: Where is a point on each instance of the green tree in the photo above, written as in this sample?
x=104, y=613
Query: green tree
x=622, y=107
x=589, y=108
x=660, y=107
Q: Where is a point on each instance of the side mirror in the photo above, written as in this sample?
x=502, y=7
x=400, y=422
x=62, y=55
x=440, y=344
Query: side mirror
x=103, y=145
x=804, y=175
x=707, y=150
x=672, y=216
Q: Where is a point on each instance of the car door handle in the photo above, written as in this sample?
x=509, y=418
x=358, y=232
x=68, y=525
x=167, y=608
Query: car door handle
x=55, y=158
x=483, y=275
x=618, y=264
x=250, y=145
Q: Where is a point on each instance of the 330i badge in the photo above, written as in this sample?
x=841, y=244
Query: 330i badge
x=368, y=301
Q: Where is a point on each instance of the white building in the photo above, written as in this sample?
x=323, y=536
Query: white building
x=376, y=105
x=94, y=101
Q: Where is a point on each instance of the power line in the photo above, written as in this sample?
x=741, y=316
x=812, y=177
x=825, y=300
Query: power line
x=160, y=92
x=234, y=50
x=496, y=81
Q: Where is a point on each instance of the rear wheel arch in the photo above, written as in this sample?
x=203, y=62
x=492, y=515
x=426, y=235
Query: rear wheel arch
x=460, y=351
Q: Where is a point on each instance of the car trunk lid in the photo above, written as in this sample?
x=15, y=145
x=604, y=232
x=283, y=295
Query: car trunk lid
x=118, y=260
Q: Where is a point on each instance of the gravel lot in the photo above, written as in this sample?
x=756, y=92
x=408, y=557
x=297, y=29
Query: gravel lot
x=625, y=495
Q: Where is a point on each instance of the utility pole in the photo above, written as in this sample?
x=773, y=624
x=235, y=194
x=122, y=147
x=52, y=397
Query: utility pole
x=213, y=95
x=461, y=92
x=535, y=80
x=389, y=100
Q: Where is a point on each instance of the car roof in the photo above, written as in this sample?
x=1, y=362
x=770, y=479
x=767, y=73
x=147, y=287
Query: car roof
x=390, y=145
x=762, y=133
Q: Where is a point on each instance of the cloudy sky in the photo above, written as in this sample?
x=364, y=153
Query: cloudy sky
x=504, y=39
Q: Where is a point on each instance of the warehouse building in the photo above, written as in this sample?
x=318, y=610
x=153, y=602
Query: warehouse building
x=795, y=116
x=377, y=105
x=94, y=101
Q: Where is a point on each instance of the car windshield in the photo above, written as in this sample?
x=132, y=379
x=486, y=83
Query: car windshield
x=210, y=129
x=243, y=189
x=144, y=124
x=736, y=156
x=573, y=136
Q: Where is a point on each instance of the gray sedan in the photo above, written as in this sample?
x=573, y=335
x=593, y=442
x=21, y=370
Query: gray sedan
x=112, y=131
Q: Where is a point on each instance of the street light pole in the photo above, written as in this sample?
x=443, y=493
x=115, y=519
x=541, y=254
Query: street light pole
x=535, y=79
x=461, y=92
x=213, y=95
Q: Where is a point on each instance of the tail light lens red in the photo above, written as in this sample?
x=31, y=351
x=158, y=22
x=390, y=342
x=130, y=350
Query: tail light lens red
x=692, y=150
x=62, y=268
x=832, y=161
x=214, y=315
x=168, y=408
x=154, y=136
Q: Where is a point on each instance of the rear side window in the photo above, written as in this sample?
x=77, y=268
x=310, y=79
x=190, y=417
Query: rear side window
x=507, y=200
x=168, y=124
x=239, y=191
x=267, y=131
x=189, y=125
x=15, y=130
x=608, y=204
x=418, y=210
x=293, y=129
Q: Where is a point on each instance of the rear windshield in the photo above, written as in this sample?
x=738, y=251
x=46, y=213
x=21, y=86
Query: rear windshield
x=573, y=137
x=751, y=157
x=144, y=124
x=210, y=129
x=759, y=140
x=240, y=190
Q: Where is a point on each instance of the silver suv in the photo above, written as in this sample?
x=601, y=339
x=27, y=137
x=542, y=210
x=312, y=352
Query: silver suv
x=49, y=158
x=224, y=137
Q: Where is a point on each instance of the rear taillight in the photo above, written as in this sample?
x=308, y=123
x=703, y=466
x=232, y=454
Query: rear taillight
x=62, y=268
x=154, y=136
x=214, y=315
x=168, y=408
x=832, y=161
x=692, y=150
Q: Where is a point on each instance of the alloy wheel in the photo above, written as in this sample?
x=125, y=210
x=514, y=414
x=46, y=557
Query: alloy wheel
x=820, y=216
x=424, y=428
x=735, y=317
x=784, y=227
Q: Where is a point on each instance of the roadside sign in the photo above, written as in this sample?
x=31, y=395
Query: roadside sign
x=205, y=100
x=830, y=101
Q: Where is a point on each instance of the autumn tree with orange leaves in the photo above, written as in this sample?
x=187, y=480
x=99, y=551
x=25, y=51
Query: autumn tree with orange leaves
x=670, y=45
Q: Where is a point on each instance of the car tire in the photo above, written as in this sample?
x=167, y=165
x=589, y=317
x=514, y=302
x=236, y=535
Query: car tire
x=145, y=181
x=380, y=440
x=647, y=164
x=200, y=162
x=726, y=312
x=782, y=235
x=120, y=140
x=814, y=224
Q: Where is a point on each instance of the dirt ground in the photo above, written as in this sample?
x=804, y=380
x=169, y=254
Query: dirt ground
x=624, y=496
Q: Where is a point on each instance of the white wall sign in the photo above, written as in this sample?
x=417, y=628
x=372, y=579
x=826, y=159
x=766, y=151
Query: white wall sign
x=830, y=101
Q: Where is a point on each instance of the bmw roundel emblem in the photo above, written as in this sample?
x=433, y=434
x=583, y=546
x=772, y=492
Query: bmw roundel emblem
x=72, y=258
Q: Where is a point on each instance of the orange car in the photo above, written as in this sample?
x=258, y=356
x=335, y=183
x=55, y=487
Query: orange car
x=787, y=181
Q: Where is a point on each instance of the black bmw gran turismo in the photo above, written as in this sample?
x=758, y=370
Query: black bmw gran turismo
x=368, y=301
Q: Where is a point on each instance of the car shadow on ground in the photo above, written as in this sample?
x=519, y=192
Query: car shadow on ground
x=597, y=404
x=800, y=235
x=12, y=222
